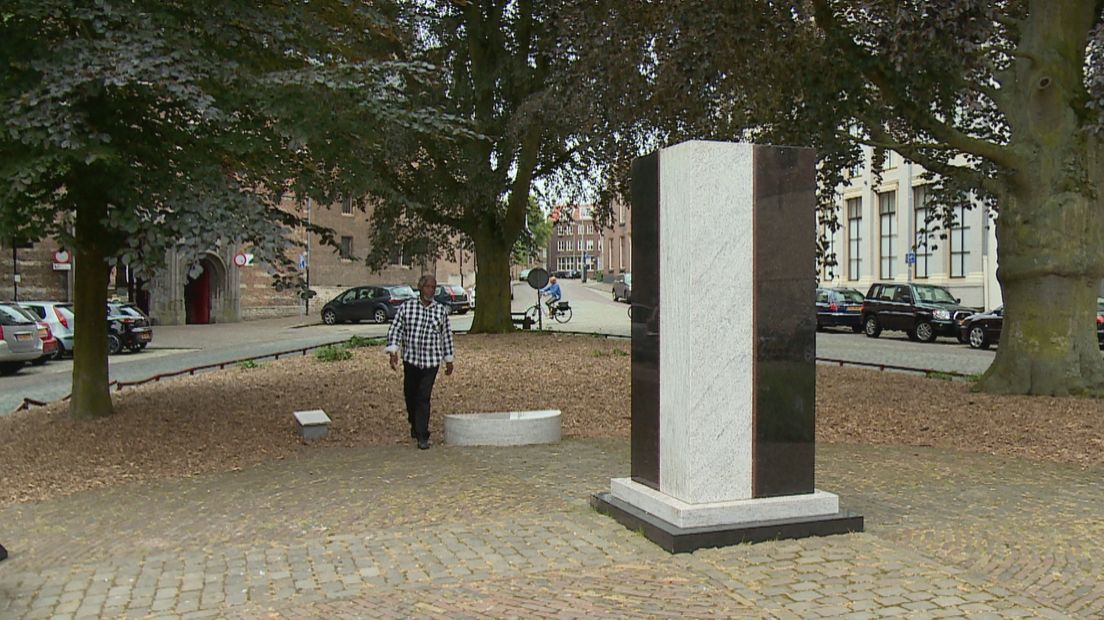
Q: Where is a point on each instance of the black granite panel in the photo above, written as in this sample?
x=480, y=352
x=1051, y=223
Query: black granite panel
x=684, y=540
x=645, y=321
x=784, y=237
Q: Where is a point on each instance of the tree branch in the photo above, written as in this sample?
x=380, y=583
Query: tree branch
x=915, y=152
x=883, y=81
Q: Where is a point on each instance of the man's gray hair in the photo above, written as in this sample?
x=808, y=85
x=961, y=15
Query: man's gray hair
x=426, y=277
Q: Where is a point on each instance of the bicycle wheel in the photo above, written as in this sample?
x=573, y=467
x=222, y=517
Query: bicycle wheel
x=533, y=314
x=563, y=315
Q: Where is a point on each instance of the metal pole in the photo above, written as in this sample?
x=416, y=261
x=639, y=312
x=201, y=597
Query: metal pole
x=15, y=271
x=309, y=205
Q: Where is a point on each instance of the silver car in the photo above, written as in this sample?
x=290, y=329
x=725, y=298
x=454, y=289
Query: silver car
x=19, y=339
x=58, y=316
x=622, y=287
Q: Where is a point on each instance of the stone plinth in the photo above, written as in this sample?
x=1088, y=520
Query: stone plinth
x=313, y=424
x=512, y=428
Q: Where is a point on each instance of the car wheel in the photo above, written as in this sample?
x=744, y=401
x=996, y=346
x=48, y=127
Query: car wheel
x=978, y=340
x=114, y=344
x=925, y=332
x=615, y=296
x=60, y=353
x=380, y=315
x=872, y=327
x=329, y=317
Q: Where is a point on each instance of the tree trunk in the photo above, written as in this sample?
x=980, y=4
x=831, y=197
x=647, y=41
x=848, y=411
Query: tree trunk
x=91, y=394
x=1050, y=278
x=492, y=309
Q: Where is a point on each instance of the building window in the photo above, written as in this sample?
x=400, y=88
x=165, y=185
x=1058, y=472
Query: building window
x=402, y=256
x=887, y=217
x=345, y=250
x=959, y=251
x=920, y=224
x=854, y=238
x=590, y=244
x=347, y=206
x=579, y=244
x=621, y=254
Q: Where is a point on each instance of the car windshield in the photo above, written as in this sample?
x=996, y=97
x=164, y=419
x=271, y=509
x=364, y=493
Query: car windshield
x=455, y=288
x=852, y=296
x=398, y=292
x=934, y=294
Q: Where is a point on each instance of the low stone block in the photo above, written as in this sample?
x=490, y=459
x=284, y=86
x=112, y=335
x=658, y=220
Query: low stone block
x=313, y=424
x=511, y=428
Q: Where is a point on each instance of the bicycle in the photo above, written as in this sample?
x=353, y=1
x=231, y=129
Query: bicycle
x=561, y=312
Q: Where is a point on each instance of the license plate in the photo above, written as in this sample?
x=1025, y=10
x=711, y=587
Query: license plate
x=144, y=337
x=24, y=337
x=854, y=308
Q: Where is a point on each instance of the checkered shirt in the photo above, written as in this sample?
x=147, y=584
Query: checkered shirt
x=423, y=332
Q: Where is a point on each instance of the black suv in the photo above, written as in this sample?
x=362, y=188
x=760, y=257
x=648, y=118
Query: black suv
x=923, y=311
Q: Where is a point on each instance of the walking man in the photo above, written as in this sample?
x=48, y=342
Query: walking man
x=421, y=328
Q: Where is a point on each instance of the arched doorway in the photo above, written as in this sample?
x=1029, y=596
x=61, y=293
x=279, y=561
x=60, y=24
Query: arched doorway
x=200, y=292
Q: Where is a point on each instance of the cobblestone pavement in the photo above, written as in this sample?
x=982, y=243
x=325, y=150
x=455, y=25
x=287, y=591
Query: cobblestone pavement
x=393, y=532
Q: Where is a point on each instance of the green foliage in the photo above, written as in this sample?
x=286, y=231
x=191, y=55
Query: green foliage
x=248, y=364
x=357, y=342
x=534, y=237
x=332, y=353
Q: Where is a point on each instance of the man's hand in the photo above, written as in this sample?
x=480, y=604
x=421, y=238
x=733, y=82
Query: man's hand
x=394, y=361
x=448, y=368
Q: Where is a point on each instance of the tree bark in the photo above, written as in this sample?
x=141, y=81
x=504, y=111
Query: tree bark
x=492, y=309
x=91, y=396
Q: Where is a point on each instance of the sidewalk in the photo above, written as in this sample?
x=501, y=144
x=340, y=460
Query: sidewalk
x=506, y=532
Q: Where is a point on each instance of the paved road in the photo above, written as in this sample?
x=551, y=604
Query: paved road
x=455, y=532
x=178, y=347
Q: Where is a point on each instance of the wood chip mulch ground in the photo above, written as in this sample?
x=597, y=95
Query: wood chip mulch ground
x=235, y=418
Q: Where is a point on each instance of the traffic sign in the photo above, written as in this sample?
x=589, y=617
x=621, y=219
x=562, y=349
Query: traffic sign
x=243, y=259
x=910, y=258
x=302, y=261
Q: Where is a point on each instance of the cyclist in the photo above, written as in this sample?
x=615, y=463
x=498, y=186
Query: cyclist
x=554, y=295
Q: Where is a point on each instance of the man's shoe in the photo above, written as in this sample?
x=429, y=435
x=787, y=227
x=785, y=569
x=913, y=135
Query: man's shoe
x=423, y=444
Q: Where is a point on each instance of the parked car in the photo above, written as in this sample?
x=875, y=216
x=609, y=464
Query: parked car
x=839, y=307
x=19, y=339
x=569, y=274
x=622, y=287
x=58, y=316
x=377, y=303
x=923, y=311
x=523, y=275
x=454, y=296
x=983, y=329
x=127, y=328
x=49, y=343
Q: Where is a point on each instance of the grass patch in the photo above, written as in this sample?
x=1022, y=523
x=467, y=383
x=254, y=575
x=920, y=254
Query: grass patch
x=248, y=365
x=357, y=342
x=333, y=353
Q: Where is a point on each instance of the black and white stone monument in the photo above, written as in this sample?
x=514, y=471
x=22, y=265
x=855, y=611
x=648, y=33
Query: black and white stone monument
x=724, y=378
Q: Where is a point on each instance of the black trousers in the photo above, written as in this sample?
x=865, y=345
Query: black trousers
x=418, y=388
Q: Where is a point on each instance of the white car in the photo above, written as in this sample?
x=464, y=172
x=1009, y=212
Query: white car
x=19, y=339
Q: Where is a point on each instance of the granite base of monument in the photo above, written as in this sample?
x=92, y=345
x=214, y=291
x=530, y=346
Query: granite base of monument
x=676, y=539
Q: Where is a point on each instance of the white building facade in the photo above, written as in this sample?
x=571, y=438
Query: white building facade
x=880, y=235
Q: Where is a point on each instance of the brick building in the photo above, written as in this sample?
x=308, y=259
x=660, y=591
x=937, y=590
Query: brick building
x=617, y=242
x=575, y=241
x=224, y=292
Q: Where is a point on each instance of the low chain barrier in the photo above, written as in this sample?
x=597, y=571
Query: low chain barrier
x=119, y=385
